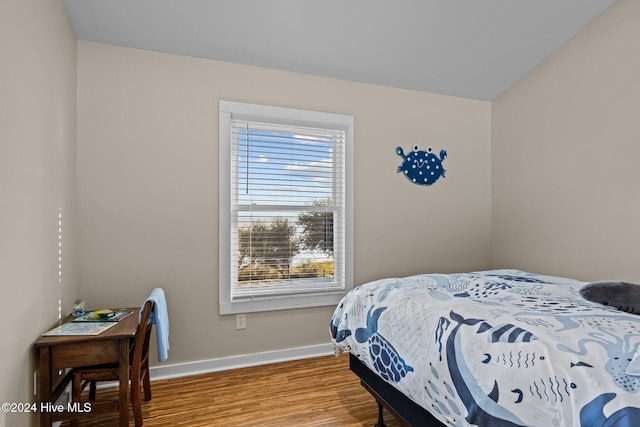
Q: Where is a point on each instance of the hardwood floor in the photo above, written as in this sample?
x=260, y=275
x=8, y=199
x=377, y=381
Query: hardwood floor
x=320, y=391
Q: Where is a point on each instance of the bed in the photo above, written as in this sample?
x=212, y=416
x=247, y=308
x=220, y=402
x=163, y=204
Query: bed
x=492, y=348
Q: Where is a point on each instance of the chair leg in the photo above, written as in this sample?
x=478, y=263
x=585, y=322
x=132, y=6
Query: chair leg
x=146, y=383
x=92, y=391
x=135, y=403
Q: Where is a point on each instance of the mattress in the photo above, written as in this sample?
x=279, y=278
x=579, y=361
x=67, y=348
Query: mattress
x=496, y=348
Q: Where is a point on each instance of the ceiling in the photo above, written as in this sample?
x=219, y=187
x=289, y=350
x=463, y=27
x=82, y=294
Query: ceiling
x=469, y=48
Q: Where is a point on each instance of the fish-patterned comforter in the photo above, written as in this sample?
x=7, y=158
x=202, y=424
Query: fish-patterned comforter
x=496, y=348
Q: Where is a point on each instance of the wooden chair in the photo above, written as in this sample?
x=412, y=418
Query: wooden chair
x=138, y=375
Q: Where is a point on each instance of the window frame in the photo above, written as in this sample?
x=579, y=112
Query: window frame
x=229, y=111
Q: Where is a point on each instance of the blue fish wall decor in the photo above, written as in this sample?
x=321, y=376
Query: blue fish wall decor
x=421, y=167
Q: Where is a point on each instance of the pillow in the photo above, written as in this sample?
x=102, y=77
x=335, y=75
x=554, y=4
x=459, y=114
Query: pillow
x=620, y=295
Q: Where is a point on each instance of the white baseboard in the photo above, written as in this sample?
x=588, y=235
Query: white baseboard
x=162, y=372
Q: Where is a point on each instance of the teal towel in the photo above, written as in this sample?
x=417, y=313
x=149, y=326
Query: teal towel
x=160, y=317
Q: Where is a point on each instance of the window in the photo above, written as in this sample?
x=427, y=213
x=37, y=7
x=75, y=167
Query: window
x=286, y=209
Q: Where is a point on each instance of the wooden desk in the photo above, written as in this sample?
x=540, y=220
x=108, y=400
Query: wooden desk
x=61, y=352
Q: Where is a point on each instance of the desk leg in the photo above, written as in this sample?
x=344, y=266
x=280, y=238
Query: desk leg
x=45, y=385
x=123, y=403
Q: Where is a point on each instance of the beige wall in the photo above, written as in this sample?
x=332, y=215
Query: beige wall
x=148, y=188
x=566, y=147
x=37, y=183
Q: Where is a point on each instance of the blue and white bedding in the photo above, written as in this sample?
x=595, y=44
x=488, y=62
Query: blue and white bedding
x=496, y=348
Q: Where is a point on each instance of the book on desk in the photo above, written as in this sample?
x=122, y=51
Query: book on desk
x=88, y=324
x=79, y=328
x=92, y=317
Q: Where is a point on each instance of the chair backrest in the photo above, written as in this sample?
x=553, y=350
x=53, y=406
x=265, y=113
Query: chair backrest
x=140, y=349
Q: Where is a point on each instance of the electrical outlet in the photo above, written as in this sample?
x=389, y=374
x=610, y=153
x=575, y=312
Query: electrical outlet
x=241, y=321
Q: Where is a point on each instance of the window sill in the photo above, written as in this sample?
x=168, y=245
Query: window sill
x=252, y=305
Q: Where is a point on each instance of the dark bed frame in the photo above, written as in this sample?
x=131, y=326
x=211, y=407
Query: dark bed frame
x=400, y=406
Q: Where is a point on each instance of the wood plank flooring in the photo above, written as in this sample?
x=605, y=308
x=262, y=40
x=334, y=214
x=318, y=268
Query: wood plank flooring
x=314, y=392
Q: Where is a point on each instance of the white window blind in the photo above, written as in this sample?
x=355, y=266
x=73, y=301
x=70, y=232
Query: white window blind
x=288, y=207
